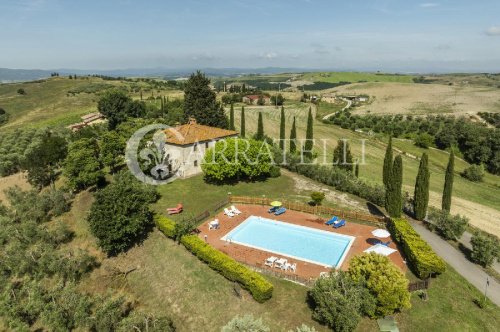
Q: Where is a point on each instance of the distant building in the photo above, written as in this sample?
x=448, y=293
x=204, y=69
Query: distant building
x=87, y=120
x=254, y=99
x=185, y=146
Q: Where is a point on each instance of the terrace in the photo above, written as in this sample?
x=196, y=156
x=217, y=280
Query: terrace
x=305, y=271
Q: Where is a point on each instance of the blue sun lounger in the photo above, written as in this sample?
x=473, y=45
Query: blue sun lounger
x=339, y=224
x=331, y=221
x=273, y=209
x=280, y=211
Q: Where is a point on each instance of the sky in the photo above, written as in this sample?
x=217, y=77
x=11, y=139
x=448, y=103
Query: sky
x=387, y=35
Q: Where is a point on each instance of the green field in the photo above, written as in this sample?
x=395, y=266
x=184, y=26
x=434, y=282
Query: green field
x=354, y=77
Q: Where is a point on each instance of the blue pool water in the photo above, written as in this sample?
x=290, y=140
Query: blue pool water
x=299, y=242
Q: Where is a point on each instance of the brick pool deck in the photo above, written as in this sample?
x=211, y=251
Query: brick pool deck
x=305, y=270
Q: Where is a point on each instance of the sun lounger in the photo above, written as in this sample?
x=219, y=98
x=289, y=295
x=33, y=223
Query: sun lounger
x=331, y=221
x=280, y=263
x=280, y=211
x=235, y=210
x=273, y=209
x=228, y=213
x=339, y=223
x=270, y=261
x=293, y=267
x=178, y=209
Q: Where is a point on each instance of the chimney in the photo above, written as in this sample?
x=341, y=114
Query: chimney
x=192, y=121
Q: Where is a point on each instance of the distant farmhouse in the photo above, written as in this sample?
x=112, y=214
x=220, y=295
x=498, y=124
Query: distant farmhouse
x=186, y=145
x=87, y=120
x=254, y=99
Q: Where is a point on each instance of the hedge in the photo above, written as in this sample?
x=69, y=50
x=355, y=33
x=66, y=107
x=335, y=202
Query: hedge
x=166, y=225
x=421, y=258
x=259, y=287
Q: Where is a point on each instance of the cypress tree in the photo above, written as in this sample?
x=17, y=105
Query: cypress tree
x=448, y=183
x=231, y=117
x=242, y=129
x=293, y=138
x=356, y=170
x=260, y=128
x=393, y=198
x=308, y=145
x=421, y=195
x=342, y=156
x=387, y=163
x=282, y=129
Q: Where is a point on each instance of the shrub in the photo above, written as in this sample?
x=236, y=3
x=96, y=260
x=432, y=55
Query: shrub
x=421, y=258
x=449, y=227
x=303, y=328
x=234, y=159
x=165, y=225
x=275, y=172
x=259, y=287
x=244, y=324
x=21, y=91
x=384, y=280
x=424, y=140
x=317, y=197
x=339, y=302
x=485, y=249
x=474, y=173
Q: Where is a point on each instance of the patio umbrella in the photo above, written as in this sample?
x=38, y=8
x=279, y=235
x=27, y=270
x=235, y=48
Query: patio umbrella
x=275, y=203
x=381, y=233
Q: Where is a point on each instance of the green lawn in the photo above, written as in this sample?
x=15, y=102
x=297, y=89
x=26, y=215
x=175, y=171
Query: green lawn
x=353, y=77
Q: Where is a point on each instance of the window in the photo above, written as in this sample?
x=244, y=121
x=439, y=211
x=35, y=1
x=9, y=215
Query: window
x=195, y=147
x=196, y=163
x=206, y=145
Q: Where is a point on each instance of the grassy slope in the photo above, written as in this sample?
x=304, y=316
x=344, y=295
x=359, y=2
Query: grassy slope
x=482, y=193
x=335, y=77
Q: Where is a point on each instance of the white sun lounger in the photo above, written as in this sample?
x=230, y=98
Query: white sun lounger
x=228, y=212
x=235, y=210
x=270, y=261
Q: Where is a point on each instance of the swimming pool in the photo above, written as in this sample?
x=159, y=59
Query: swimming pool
x=294, y=241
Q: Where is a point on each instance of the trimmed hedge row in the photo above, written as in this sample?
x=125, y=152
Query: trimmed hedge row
x=260, y=288
x=423, y=260
x=166, y=225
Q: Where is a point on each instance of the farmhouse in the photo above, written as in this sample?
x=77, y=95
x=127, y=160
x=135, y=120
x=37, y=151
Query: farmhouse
x=254, y=99
x=87, y=120
x=186, y=144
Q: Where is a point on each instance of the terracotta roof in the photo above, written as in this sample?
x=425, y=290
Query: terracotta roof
x=192, y=132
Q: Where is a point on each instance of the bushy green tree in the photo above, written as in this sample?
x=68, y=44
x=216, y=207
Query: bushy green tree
x=120, y=214
x=234, y=159
x=485, y=249
x=474, y=173
x=393, y=196
x=421, y=195
x=242, y=129
x=384, y=280
x=112, y=149
x=388, y=160
x=449, y=227
x=309, y=142
x=339, y=301
x=82, y=166
x=246, y=323
x=43, y=157
x=259, y=135
x=282, y=129
x=4, y=116
x=342, y=156
x=424, y=140
x=317, y=197
x=113, y=105
x=448, y=183
x=200, y=102
x=293, y=138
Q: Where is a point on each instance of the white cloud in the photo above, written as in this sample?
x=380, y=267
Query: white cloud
x=493, y=31
x=269, y=55
x=429, y=4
